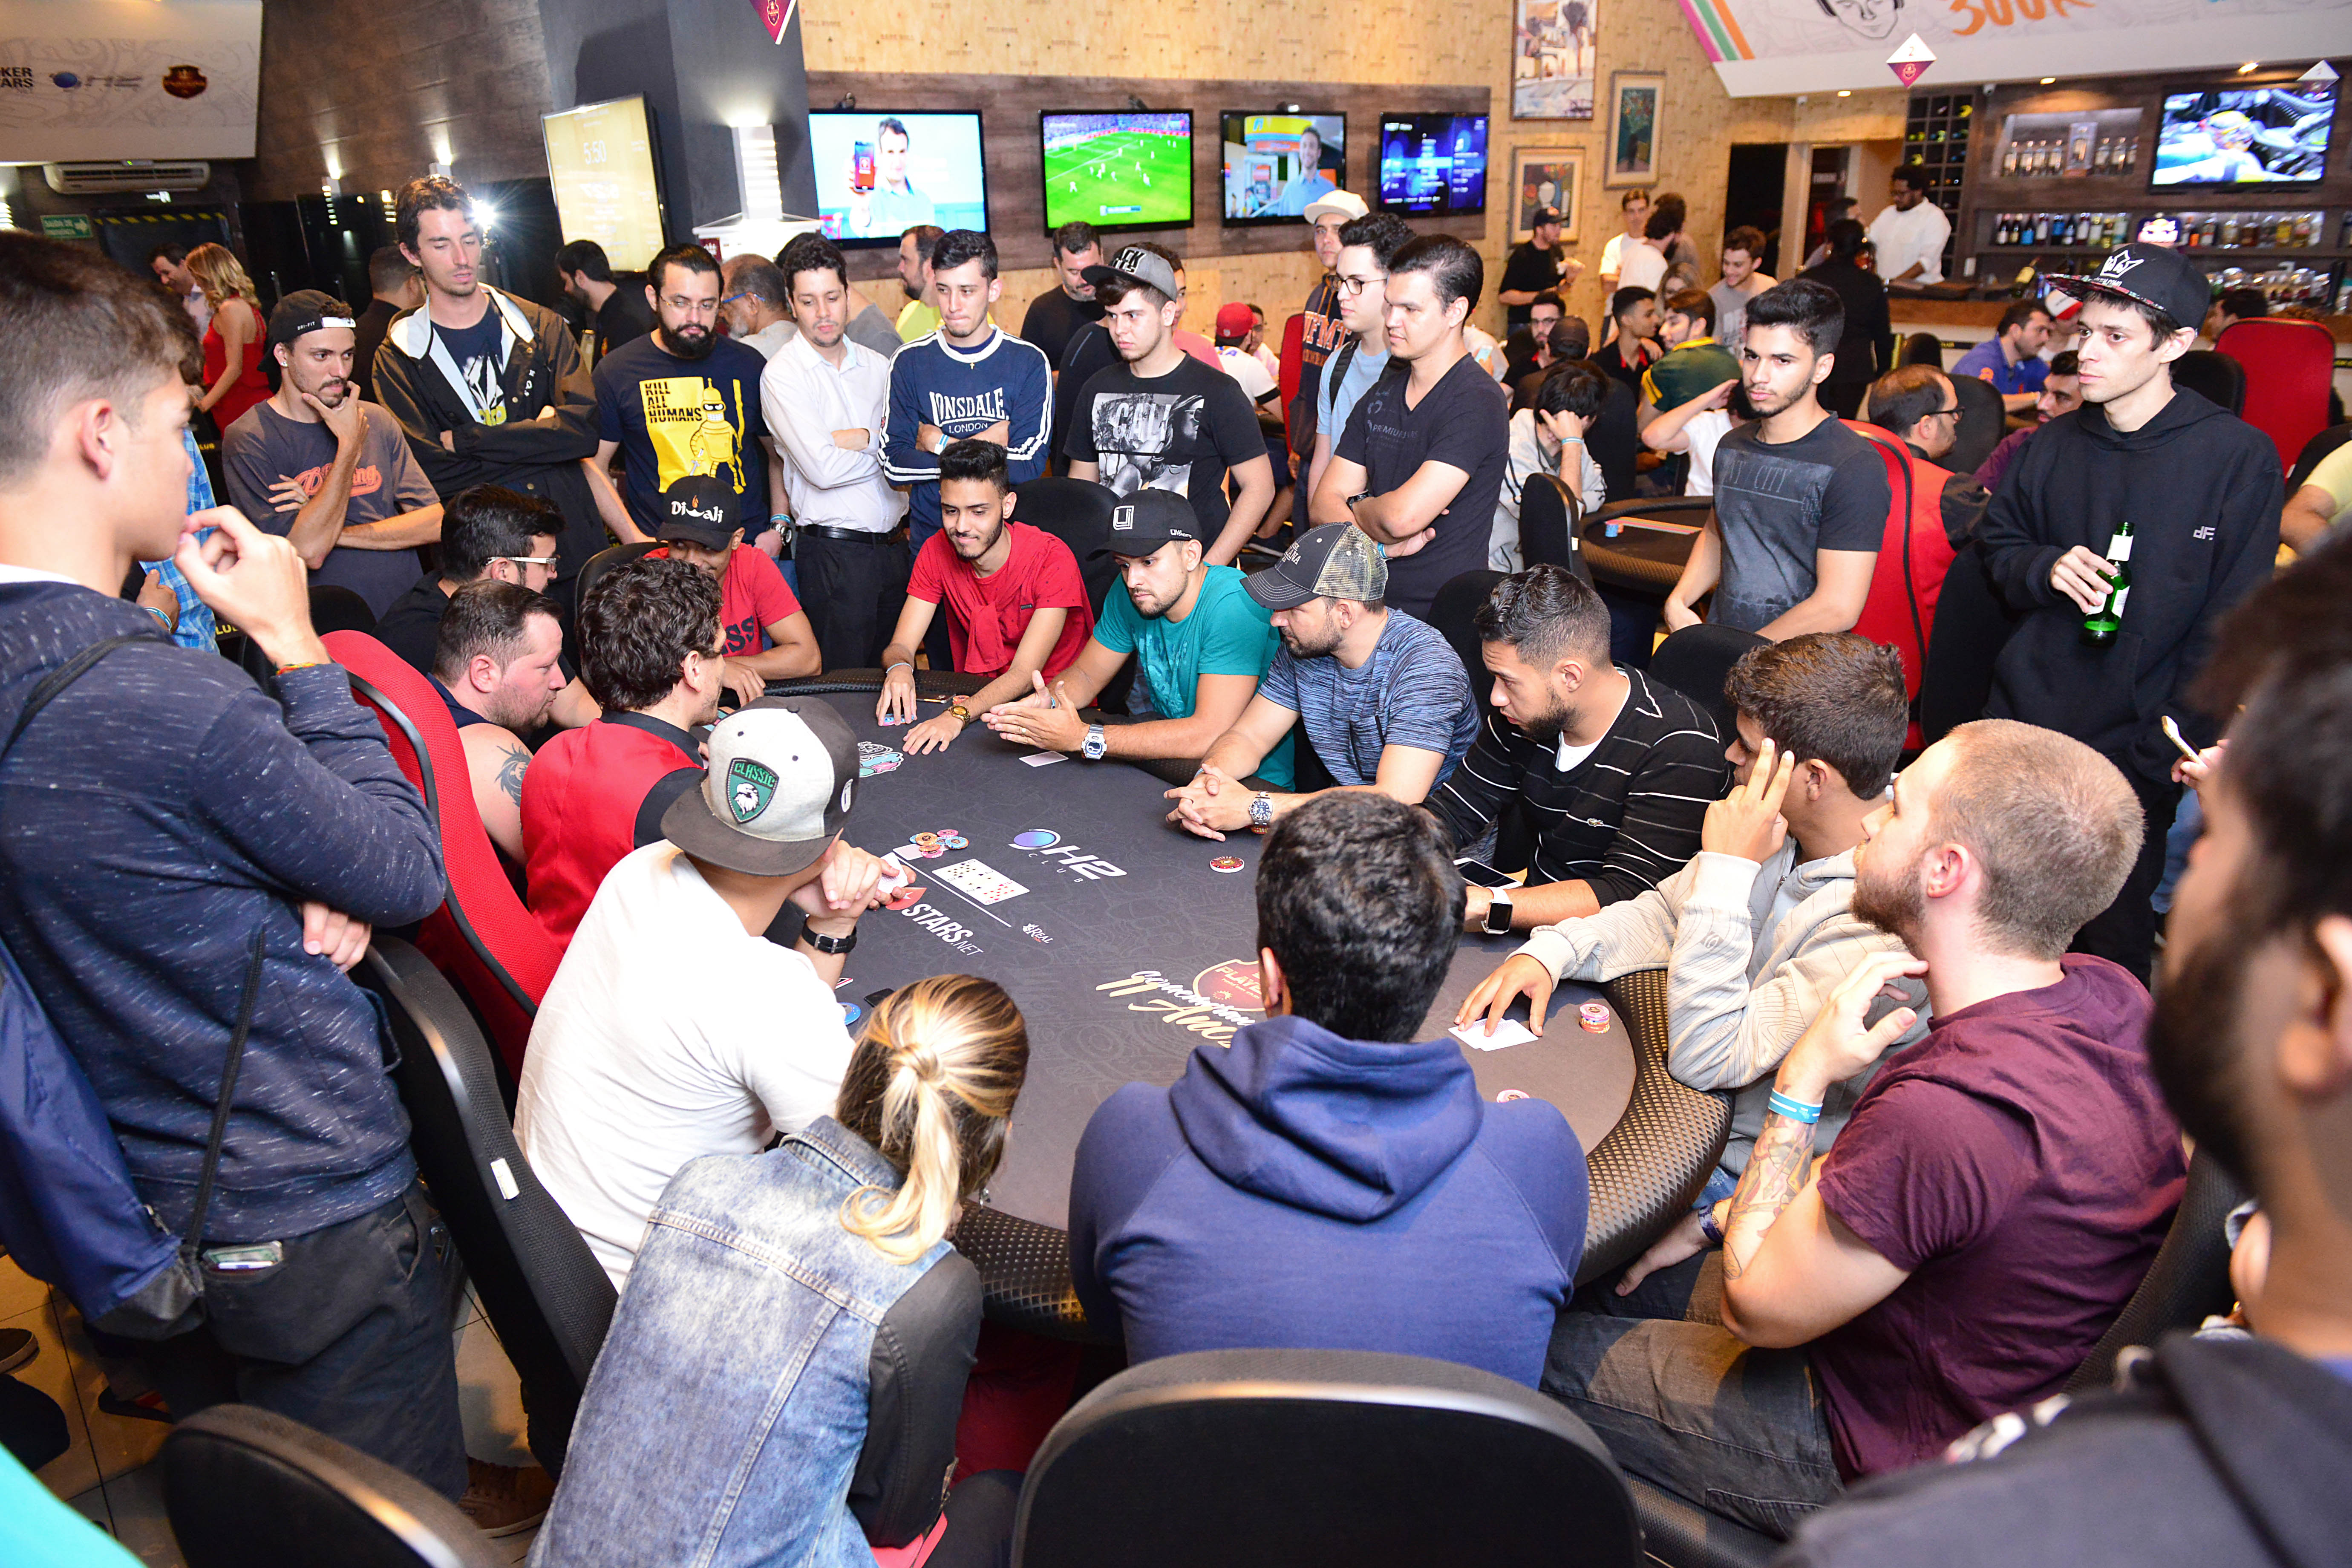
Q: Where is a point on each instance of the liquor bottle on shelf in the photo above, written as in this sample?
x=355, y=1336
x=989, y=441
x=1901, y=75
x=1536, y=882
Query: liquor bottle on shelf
x=2009, y=160
x=2230, y=229
x=2306, y=229
x=2100, y=627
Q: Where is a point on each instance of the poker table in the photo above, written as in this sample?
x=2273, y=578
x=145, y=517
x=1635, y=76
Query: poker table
x=1127, y=942
x=1643, y=544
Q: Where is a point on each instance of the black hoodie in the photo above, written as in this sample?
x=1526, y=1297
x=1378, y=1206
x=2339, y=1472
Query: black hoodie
x=2201, y=489
x=2218, y=1454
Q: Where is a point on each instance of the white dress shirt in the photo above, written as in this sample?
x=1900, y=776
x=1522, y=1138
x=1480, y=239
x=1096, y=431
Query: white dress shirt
x=1904, y=237
x=805, y=399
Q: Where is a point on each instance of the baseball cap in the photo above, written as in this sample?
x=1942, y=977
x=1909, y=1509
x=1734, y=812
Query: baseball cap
x=1347, y=203
x=1234, y=320
x=1336, y=560
x=1136, y=265
x=305, y=310
x=1543, y=216
x=2151, y=274
x=783, y=770
x=1142, y=523
x=698, y=510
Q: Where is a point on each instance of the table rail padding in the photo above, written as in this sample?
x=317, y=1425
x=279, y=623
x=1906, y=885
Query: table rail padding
x=1654, y=1161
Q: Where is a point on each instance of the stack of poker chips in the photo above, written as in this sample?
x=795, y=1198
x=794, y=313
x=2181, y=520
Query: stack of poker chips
x=1594, y=1016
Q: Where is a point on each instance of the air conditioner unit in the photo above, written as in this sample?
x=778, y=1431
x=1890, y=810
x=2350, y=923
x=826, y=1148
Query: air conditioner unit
x=137, y=174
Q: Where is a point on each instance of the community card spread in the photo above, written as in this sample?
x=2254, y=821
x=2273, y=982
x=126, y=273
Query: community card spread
x=980, y=882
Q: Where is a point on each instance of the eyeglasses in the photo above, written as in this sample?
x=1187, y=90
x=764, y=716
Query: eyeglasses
x=1357, y=284
x=691, y=307
x=741, y=294
x=547, y=561
x=1951, y=413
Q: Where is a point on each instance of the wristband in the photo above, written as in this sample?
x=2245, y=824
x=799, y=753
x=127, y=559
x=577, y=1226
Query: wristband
x=306, y=664
x=1708, y=1228
x=1794, y=1109
x=161, y=618
x=906, y=663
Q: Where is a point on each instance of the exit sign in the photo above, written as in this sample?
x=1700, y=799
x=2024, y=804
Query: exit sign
x=65, y=226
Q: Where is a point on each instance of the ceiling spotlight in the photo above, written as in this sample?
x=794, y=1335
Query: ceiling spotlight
x=2048, y=80
x=1845, y=92
x=485, y=216
x=2250, y=65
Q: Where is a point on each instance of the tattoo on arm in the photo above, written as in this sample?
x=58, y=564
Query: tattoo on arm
x=1776, y=1172
x=510, y=771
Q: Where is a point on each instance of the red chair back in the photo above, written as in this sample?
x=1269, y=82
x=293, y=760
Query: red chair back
x=2289, y=367
x=482, y=937
x=1294, y=364
x=1912, y=556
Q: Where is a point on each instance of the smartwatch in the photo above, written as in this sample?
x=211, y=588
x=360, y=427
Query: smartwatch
x=1498, y=913
x=1261, y=811
x=1358, y=498
x=1098, y=743
x=832, y=945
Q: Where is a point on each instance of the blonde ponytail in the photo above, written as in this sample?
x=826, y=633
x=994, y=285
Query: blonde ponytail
x=931, y=1087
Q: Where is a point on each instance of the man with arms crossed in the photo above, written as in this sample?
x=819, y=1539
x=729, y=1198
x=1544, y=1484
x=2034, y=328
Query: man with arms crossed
x=826, y=399
x=1201, y=643
x=497, y=663
x=1367, y=245
x=311, y=462
x=1612, y=772
x=1995, y=1198
x=1422, y=457
x=1379, y=694
x=1016, y=607
x=1162, y=420
x=1800, y=500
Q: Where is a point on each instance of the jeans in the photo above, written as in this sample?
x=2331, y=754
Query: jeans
x=352, y=1333
x=1683, y=1404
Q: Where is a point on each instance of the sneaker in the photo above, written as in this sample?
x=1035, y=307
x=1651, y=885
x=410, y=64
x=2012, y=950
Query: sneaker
x=17, y=1346
x=504, y=1499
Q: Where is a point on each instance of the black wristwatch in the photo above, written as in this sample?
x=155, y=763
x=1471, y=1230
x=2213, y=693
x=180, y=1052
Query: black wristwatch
x=831, y=946
x=1497, y=922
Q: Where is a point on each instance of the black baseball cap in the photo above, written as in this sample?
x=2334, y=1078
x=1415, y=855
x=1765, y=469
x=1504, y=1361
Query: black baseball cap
x=1543, y=216
x=1337, y=560
x=698, y=510
x=306, y=310
x=1142, y=523
x=2152, y=274
x=782, y=775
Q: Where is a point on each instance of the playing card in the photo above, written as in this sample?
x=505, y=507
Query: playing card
x=1039, y=759
x=1509, y=1031
x=980, y=882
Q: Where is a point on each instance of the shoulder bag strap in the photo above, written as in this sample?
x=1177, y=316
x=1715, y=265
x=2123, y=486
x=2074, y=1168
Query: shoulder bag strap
x=246, y=1005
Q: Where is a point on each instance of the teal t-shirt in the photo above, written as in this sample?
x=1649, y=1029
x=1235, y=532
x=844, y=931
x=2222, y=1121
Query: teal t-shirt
x=37, y=1531
x=1226, y=634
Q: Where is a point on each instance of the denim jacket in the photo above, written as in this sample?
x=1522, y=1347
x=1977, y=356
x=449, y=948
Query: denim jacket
x=773, y=1389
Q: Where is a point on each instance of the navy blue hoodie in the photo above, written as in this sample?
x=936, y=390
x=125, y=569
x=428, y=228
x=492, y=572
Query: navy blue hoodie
x=152, y=818
x=1302, y=1191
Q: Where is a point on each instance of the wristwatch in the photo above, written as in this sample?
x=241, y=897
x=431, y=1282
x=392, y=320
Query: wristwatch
x=831, y=945
x=961, y=713
x=1098, y=743
x=1498, y=913
x=1358, y=498
x=1261, y=810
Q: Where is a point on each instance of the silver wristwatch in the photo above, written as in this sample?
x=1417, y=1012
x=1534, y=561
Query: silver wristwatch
x=1261, y=810
x=1096, y=743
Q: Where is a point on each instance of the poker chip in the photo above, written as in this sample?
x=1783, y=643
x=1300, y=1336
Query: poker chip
x=1593, y=1026
x=1509, y=1095
x=957, y=841
x=1594, y=1013
x=851, y=1011
x=1226, y=863
x=925, y=841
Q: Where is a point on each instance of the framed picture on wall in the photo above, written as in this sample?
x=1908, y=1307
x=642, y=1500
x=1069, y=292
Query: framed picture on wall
x=1637, y=101
x=1547, y=177
x=1552, y=50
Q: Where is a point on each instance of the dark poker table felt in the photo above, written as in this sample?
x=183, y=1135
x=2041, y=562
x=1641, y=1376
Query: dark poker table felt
x=1128, y=943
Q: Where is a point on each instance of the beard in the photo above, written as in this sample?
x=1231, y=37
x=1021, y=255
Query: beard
x=331, y=394
x=689, y=342
x=1544, y=729
x=1300, y=647
x=1896, y=905
x=2192, y=1039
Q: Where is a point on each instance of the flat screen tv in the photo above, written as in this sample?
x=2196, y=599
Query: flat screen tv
x=2245, y=138
x=878, y=174
x=599, y=159
x=1433, y=165
x=1128, y=170
x=1275, y=164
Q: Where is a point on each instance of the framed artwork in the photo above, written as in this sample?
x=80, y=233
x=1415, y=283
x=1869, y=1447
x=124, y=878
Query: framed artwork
x=1636, y=100
x=1552, y=50
x=1547, y=177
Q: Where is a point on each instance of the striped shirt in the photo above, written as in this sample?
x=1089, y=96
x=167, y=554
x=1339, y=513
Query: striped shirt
x=1620, y=820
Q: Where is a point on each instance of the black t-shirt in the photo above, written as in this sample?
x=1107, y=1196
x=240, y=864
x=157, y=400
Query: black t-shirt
x=624, y=316
x=1176, y=432
x=1610, y=357
x=1775, y=505
x=412, y=625
x=1530, y=269
x=475, y=352
x=1053, y=317
x=1465, y=421
x=1088, y=352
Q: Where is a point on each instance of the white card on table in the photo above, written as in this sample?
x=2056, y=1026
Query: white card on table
x=1039, y=759
x=1509, y=1031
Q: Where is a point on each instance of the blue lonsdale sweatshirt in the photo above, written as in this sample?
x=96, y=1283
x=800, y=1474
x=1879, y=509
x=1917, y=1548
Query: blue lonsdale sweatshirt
x=1302, y=1191
x=962, y=392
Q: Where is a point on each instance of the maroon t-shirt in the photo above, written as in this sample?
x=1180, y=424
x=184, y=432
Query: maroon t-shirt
x=2019, y=1163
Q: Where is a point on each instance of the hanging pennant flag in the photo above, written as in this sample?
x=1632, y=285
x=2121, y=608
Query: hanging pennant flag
x=777, y=15
x=2320, y=75
x=1910, y=62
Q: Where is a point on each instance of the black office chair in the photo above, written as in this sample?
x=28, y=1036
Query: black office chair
x=242, y=1485
x=1259, y=1457
x=604, y=561
x=1077, y=512
x=1549, y=515
x=1984, y=420
x=1696, y=660
x=2213, y=375
x=548, y=1298
x=1452, y=612
x=2188, y=1281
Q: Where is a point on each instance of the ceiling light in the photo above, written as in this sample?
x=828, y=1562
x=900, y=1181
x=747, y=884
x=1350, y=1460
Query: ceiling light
x=2250, y=65
x=2048, y=80
x=1845, y=92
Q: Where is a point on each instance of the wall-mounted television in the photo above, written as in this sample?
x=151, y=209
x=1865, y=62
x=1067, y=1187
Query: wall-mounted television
x=1128, y=170
x=600, y=160
x=878, y=174
x=1275, y=164
x=2244, y=138
x=1433, y=165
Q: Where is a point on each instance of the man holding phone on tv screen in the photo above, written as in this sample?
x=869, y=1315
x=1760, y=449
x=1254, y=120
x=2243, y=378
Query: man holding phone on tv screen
x=1310, y=183
x=881, y=199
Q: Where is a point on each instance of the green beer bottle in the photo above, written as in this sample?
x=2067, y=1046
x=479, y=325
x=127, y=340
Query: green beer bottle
x=2099, y=627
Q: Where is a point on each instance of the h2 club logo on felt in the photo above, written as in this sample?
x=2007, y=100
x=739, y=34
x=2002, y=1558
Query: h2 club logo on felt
x=750, y=788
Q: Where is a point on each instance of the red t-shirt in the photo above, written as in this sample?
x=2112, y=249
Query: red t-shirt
x=581, y=799
x=2021, y=1164
x=987, y=616
x=753, y=596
